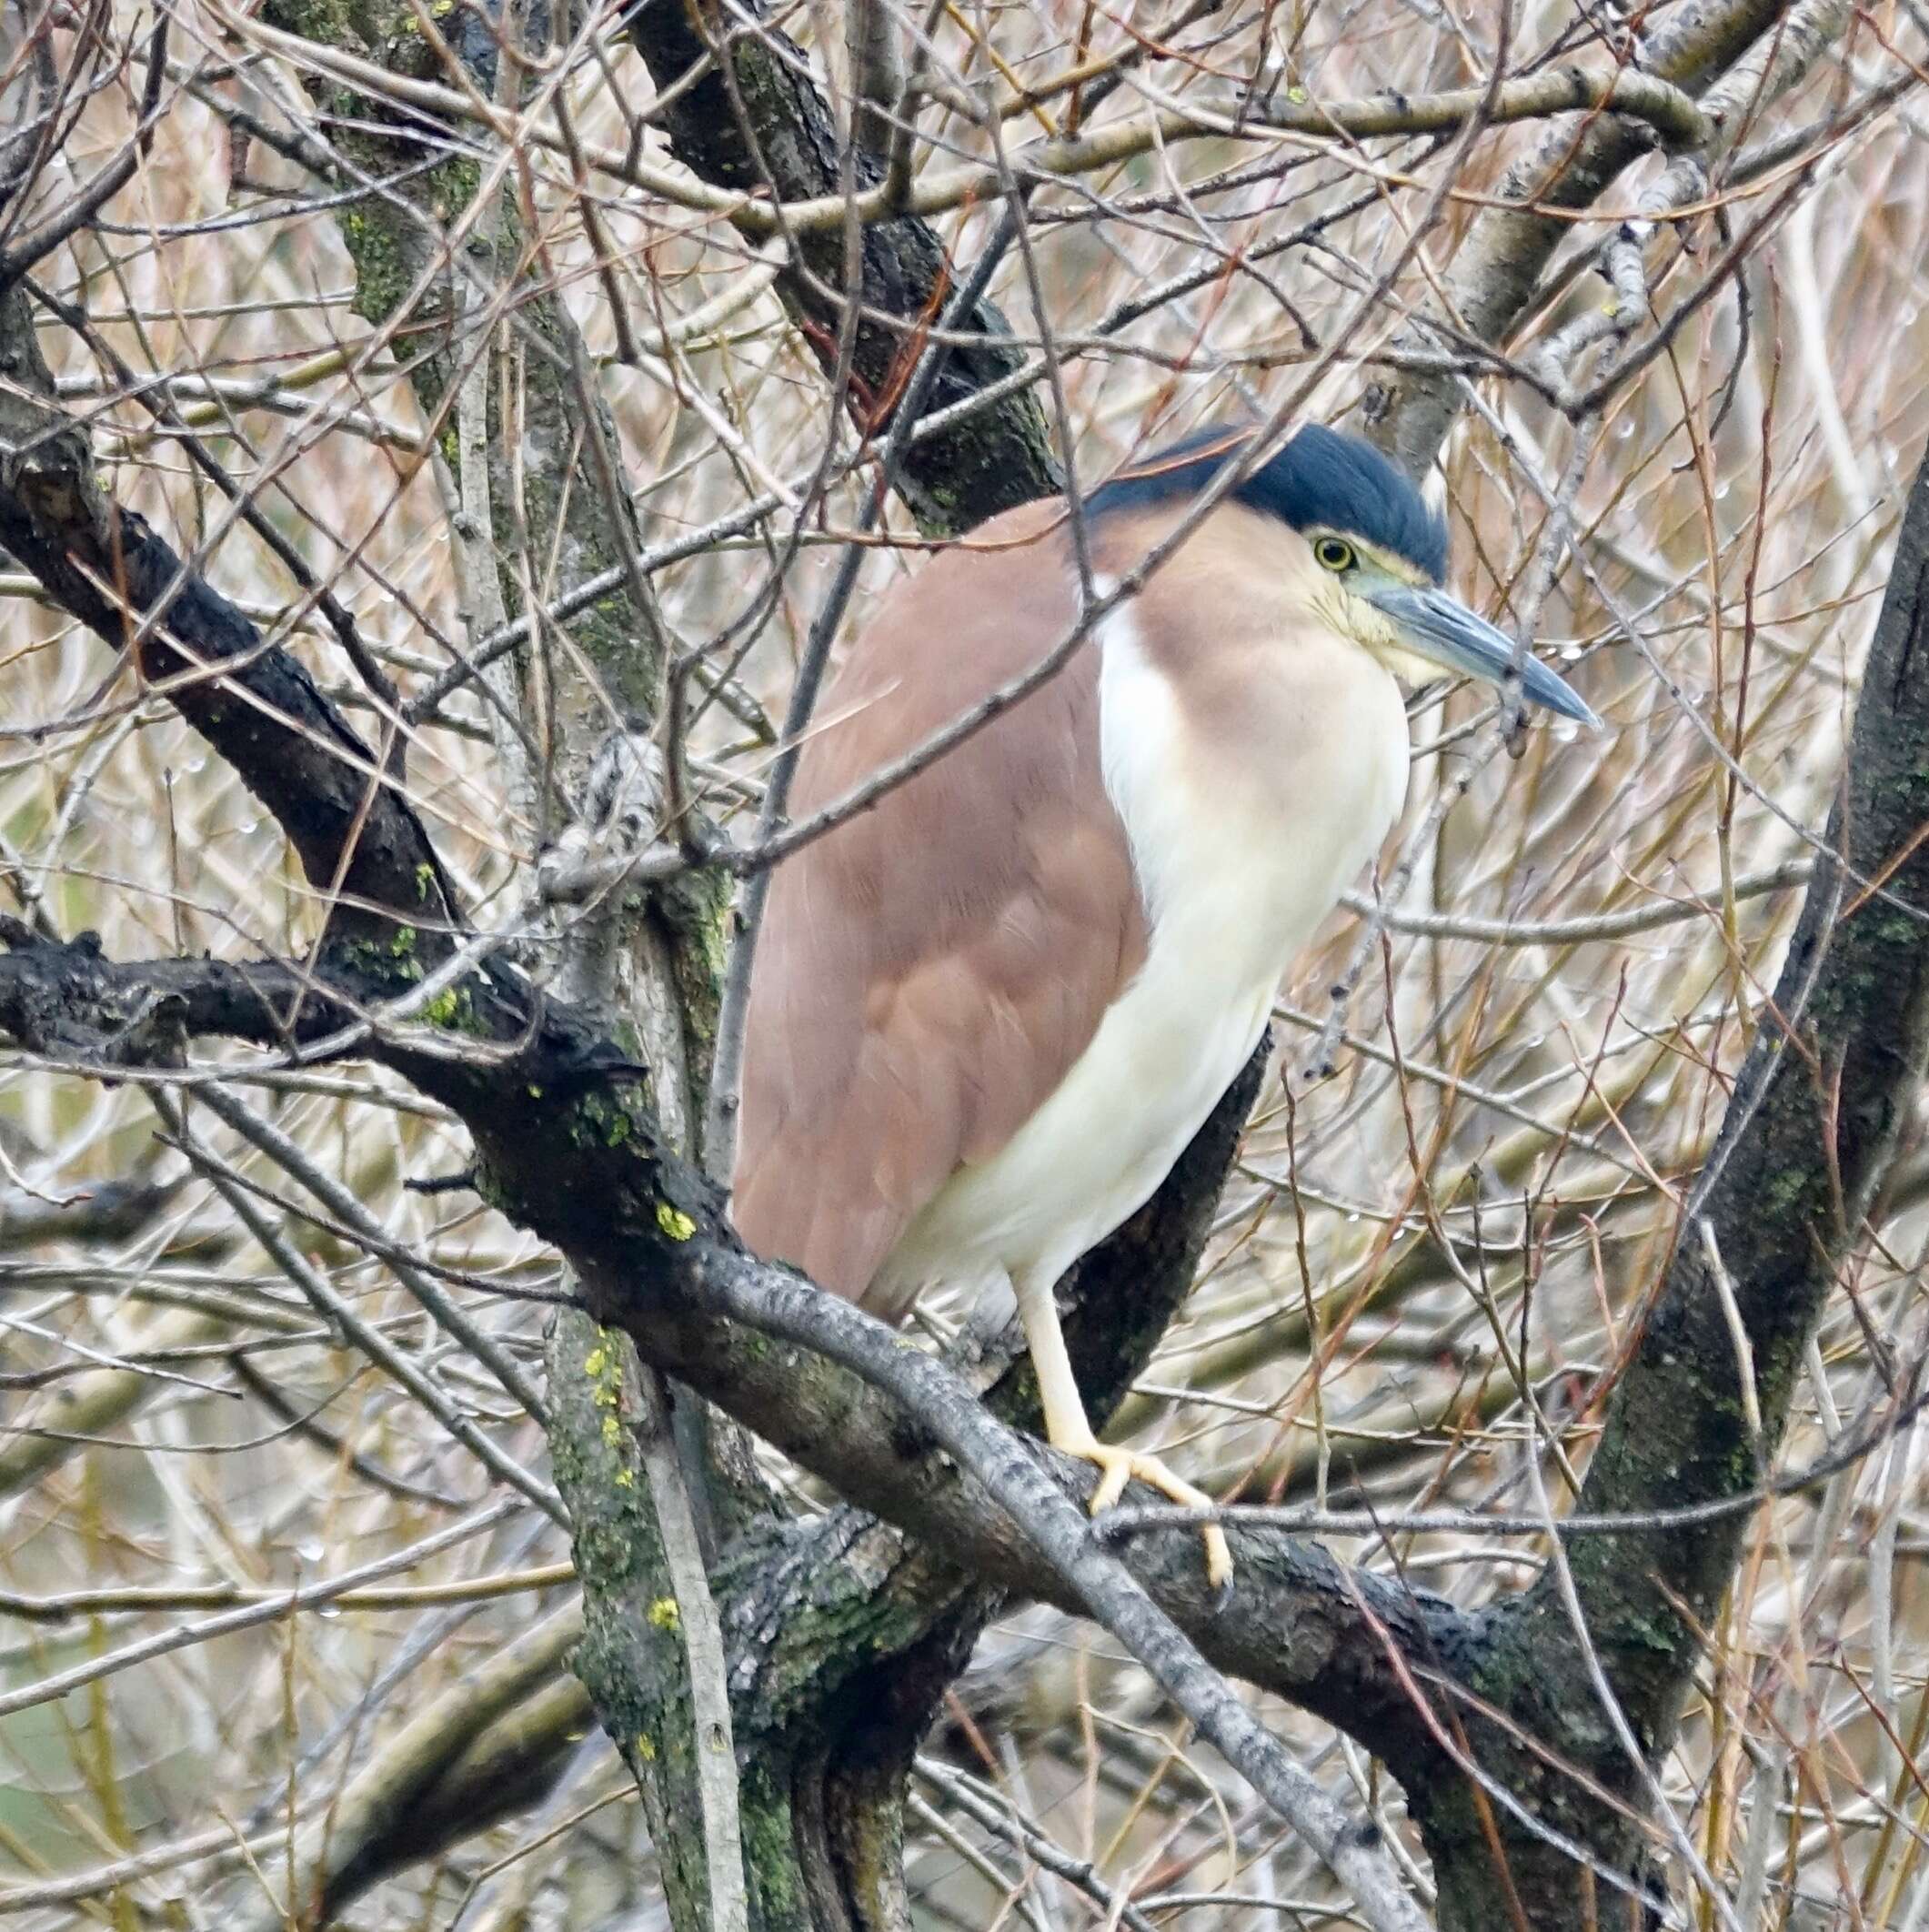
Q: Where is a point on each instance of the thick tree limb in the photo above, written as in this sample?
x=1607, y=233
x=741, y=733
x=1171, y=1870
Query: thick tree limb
x=742, y=114
x=356, y=834
x=1819, y=1104
x=581, y=1160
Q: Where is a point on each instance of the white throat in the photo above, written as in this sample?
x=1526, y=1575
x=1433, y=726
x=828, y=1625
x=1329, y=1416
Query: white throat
x=1241, y=851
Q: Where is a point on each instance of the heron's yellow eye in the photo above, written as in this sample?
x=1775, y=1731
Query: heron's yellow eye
x=1335, y=553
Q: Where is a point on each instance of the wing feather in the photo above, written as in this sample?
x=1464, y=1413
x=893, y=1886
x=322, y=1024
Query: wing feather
x=930, y=970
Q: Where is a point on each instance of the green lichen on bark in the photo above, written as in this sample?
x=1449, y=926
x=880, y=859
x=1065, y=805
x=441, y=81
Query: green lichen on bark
x=632, y=1659
x=695, y=912
x=630, y=1662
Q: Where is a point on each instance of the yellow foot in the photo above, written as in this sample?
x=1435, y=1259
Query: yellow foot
x=1117, y=1468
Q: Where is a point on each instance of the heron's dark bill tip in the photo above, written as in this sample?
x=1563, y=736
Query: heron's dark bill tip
x=1552, y=693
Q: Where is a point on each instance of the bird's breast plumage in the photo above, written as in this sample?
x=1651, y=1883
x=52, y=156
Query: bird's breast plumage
x=1244, y=824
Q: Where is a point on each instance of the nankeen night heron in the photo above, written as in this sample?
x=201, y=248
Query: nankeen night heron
x=987, y=1016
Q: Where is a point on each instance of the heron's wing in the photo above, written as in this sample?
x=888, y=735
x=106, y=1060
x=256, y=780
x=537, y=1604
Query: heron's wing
x=928, y=972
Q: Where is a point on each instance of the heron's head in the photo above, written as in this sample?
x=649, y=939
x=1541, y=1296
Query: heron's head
x=1370, y=557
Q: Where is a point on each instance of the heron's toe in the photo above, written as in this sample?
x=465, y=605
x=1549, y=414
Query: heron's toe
x=1115, y=1471
x=1117, y=1468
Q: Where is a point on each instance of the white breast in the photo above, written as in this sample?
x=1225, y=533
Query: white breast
x=1238, y=867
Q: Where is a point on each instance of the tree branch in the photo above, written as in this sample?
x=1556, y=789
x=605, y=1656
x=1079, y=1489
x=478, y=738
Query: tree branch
x=579, y=1161
x=1497, y=267
x=742, y=114
x=355, y=832
x=1818, y=1107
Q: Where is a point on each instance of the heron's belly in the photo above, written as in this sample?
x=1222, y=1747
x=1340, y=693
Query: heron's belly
x=1238, y=871
x=1094, y=1152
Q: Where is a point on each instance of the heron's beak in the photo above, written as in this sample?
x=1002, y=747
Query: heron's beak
x=1434, y=626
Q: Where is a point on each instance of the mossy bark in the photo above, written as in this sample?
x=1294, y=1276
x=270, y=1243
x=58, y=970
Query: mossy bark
x=1818, y=1106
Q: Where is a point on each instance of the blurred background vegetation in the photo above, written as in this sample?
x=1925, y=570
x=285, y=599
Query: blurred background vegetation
x=1427, y=1266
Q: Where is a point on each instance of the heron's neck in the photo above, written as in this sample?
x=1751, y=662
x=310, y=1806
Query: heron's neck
x=1253, y=790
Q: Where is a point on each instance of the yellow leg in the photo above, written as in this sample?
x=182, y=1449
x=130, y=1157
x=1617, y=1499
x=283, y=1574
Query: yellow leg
x=1066, y=1428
